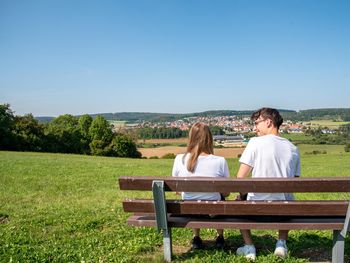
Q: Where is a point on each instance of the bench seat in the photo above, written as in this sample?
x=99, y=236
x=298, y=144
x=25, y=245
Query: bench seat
x=165, y=214
x=224, y=222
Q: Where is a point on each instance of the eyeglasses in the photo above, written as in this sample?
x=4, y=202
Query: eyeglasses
x=257, y=122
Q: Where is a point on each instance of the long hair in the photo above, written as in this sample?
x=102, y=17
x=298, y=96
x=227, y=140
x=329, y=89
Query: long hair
x=200, y=140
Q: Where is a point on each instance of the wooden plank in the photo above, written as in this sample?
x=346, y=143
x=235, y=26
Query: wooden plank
x=258, y=185
x=279, y=208
x=238, y=223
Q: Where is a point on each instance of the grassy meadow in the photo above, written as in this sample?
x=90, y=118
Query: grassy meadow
x=67, y=208
x=326, y=123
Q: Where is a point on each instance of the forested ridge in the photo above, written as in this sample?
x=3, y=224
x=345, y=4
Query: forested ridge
x=341, y=114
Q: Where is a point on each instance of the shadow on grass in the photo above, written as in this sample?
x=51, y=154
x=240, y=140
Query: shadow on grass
x=4, y=218
x=315, y=248
x=308, y=247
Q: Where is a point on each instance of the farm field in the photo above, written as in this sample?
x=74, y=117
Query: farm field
x=299, y=137
x=326, y=123
x=160, y=151
x=156, y=141
x=234, y=152
x=67, y=208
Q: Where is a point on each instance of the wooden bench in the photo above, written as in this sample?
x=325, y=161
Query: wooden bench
x=284, y=215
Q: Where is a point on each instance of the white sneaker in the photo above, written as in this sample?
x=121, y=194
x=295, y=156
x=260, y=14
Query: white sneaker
x=281, y=249
x=248, y=251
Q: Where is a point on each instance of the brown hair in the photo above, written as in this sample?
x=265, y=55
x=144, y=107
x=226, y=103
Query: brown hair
x=268, y=113
x=200, y=140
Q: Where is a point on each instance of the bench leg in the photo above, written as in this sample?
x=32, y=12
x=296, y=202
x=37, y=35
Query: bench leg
x=167, y=245
x=338, y=247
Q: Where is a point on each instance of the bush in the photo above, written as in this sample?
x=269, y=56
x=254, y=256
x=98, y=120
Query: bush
x=169, y=156
x=123, y=146
x=154, y=157
x=347, y=147
x=316, y=152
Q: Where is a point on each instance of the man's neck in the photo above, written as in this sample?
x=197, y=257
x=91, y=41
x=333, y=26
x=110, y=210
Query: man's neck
x=273, y=131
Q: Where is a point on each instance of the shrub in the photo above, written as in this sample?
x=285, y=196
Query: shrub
x=169, y=156
x=347, y=147
x=154, y=157
x=316, y=152
x=123, y=146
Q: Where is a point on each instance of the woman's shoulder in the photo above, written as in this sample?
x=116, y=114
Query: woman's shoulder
x=216, y=157
x=179, y=157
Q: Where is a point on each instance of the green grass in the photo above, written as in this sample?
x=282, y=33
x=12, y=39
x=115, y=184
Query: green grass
x=163, y=144
x=67, y=208
x=297, y=137
x=330, y=149
x=326, y=123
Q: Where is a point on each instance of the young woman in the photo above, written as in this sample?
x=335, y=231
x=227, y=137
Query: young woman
x=199, y=160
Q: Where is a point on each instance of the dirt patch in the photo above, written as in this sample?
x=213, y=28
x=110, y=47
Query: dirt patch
x=4, y=219
x=155, y=141
x=316, y=255
x=160, y=151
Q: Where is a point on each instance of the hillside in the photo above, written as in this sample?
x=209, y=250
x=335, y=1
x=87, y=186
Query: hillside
x=342, y=114
x=67, y=208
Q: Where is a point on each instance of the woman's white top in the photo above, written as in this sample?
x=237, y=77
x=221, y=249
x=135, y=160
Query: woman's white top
x=206, y=166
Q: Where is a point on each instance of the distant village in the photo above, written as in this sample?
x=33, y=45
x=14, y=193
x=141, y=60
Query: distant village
x=230, y=124
x=235, y=127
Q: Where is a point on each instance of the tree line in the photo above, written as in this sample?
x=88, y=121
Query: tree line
x=64, y=134
x=170, y=132
x=337, y=114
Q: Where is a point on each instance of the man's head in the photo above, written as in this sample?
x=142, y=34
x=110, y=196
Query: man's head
x=266, y=121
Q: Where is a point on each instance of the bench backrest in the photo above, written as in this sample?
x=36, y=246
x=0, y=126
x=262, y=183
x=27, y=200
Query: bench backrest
x=263, y=185
x=205, y=184
x=336, y=213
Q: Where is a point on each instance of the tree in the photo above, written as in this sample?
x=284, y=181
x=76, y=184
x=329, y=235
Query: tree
x=29, y=134
x=216, y=130
x=345, y=129
x=101, y=135
x=84, y=124
x=7, y=121
x=65, y=134
x=122, y=145
x=347, y=147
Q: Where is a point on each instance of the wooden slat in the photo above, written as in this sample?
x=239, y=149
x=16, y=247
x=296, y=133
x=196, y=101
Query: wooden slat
x=261, y=185
x=279, y=208
x=239, y=223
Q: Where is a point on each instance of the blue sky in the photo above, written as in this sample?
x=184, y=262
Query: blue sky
x=178, y=56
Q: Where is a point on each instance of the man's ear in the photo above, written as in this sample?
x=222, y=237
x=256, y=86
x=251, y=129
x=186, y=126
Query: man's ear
x=269, y=123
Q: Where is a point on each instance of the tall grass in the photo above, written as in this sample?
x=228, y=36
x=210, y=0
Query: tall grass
x=67, y=208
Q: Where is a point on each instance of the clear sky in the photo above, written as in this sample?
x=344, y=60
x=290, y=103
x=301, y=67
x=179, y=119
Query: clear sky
x=175, y=56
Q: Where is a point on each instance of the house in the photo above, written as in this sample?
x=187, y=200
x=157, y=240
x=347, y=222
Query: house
x=229, y=140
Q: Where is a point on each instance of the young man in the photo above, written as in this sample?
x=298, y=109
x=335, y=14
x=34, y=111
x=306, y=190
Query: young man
x=269, y=156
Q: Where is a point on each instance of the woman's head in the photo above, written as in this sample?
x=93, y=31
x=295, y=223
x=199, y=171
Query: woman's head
x=200, y=140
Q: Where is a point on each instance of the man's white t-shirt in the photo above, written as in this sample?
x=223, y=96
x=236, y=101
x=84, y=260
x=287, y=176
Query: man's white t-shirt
x=206, y=166
x=271, y=156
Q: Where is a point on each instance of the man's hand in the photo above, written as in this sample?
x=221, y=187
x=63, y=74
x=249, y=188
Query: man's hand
x=241, y=197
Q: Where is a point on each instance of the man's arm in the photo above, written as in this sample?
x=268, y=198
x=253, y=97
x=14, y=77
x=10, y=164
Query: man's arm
x=244, y=170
